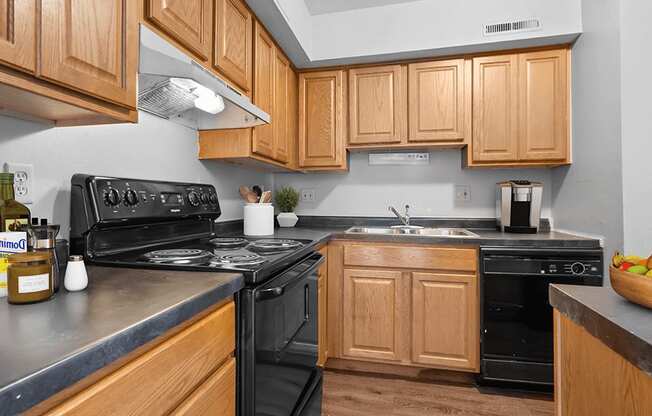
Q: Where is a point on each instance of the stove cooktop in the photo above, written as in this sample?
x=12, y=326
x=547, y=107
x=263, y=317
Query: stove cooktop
x=257, y=259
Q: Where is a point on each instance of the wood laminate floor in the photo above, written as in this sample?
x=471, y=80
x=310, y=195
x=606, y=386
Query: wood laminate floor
x=353, y=394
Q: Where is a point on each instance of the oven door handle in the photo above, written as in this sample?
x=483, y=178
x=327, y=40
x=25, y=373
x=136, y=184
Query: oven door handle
x=274, y=292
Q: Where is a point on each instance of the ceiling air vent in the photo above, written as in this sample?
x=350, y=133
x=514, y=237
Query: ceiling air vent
x=512, y=27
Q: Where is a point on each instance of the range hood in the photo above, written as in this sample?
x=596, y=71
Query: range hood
x=173, y=86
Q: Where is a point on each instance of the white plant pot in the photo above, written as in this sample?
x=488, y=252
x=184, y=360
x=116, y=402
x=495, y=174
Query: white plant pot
x=287, y=219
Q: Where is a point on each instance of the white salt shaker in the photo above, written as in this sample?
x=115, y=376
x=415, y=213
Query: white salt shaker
x=76, y=278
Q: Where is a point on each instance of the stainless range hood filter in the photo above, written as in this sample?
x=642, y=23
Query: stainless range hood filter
x=166, y=99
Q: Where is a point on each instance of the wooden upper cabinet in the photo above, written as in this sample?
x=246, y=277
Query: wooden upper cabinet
x=293, y=119
x=322, y=120
x=543, y=105
x=91, y=46
x=375, y=311
x=495, y=108
x=445, y=322
x=265, y=55
x=437, y=101
x=234, y=42
x=377, y=105
x=189, y=22
x=280, y=115
x=18, y=34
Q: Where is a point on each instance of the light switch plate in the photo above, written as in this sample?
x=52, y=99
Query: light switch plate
x=462, y=193
x=23, y=181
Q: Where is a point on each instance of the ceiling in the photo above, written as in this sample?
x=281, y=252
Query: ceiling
x=316, y=7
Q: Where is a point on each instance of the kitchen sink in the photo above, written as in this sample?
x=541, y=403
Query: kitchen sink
x=413, y=230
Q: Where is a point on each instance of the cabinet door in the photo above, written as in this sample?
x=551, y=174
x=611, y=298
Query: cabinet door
x=233, y=42
x=281, y=107
x=18, y=33
x=445, y=322
x=189, y=22
x=495, y=108
x=216, y=396
x=293, y=119
x=437, y=101
x=543, y=105
x=375, y=308
x=91, y=46
x=377, y=105
x=321, y=120
x=264, y=56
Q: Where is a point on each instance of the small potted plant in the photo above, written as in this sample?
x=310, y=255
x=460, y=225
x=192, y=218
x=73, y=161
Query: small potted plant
x=287, y=199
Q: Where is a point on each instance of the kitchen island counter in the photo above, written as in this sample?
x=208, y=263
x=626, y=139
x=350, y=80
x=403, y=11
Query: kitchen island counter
x=621, y=325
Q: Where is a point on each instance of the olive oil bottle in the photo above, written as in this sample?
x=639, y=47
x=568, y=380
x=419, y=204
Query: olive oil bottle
x=13, y=214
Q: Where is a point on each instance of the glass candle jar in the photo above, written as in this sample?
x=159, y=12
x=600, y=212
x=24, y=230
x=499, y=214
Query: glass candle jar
x=29, y=277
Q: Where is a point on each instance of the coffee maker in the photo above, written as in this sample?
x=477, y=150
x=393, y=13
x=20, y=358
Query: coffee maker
x=518, y=206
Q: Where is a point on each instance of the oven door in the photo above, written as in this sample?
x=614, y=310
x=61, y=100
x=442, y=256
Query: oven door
x=279, y=341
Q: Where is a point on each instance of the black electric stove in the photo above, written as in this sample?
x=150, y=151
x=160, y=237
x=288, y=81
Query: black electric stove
x=169, y=225
x=257, y=259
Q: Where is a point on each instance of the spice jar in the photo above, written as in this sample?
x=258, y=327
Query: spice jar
x=29, y=277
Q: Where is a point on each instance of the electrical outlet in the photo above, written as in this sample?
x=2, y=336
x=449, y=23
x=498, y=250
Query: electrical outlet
x=23, y=181
x=307, y=195
x=462, y=193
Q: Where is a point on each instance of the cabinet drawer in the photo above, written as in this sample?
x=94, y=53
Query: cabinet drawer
x=215, y=397
x=411, y=257
x=157, y=382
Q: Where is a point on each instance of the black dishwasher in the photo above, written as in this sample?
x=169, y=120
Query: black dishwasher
x=516, y=316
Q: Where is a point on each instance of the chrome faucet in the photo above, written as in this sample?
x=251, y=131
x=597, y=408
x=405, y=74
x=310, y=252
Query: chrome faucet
x=405, y=219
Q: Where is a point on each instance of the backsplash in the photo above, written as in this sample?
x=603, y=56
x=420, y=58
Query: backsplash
x=151, y=149
x=429, y=189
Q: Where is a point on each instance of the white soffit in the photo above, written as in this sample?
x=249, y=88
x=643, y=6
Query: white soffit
x=316, y=7
x=316, y=33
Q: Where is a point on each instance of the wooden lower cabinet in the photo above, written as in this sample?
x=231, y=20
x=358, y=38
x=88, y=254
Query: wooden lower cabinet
x=445, y=330
x=215, y=397
x=186, y=372
x=375, y=305
x=421, y=311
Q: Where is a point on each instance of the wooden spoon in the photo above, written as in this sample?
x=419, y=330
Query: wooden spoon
x=248, y=195
x=266, y=197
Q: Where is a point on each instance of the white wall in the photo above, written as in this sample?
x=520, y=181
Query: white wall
x=410, y=30
x=429, y=190
x=152, y=149
x=587, y=196
x=636, y=62
x=425, y=25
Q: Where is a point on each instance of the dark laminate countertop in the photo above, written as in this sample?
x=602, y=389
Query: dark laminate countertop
x=49, y=346
x=486, y=238
x=624, y=326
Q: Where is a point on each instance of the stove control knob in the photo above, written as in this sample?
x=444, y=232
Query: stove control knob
x=131, y=197
x=111, y=197
x=213, y=198
x=193, y=198
x=578, y=268
x=204, y=198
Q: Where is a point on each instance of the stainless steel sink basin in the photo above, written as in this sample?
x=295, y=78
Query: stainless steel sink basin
x=413, y=230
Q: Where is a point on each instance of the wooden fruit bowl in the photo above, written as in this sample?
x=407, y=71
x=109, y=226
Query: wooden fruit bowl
x=633, y=287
